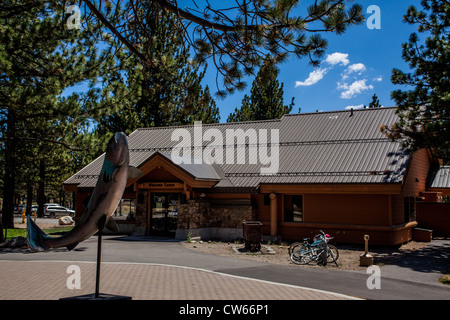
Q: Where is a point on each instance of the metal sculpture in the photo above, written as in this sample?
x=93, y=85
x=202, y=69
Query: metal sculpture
x=108, y=191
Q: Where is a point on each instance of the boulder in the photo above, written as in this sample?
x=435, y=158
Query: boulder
x=66, y=220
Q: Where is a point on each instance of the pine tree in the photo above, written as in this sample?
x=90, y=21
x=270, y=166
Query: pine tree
x=155, y=97
x=425, y=109
x=266, y=98
x=39, y=58
x=375, y=103
x=237, y=36
x=204, y=110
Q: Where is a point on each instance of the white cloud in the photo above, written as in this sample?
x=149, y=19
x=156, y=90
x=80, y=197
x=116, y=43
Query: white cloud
x=338, y=58
x=359, y=106
x=356, y=67
x=349, y=85
x=353, y=89
x=313, y=78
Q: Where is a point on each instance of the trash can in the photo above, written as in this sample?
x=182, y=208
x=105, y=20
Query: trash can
x=252, y=235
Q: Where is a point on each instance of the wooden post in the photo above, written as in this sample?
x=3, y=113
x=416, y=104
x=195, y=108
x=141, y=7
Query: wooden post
x=366, y=243
x=366, y=259
x=273, y=215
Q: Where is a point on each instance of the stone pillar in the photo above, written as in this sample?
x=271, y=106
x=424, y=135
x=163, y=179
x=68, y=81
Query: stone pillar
x=273, y=215
x=141, y=213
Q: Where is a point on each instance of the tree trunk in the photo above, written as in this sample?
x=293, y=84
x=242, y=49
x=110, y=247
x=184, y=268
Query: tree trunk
x=41, y=190
x=10, y=169
x=2, y=238
x=29, y=198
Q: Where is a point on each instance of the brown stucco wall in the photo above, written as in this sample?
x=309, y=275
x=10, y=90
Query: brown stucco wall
x=347, y=217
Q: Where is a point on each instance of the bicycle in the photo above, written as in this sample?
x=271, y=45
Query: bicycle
x=297, y=245
x=304, y=252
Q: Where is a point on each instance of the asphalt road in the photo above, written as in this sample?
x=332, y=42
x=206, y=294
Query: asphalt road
x=394, y=286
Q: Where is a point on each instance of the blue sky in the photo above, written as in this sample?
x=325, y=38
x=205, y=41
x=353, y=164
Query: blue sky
x=357, y=64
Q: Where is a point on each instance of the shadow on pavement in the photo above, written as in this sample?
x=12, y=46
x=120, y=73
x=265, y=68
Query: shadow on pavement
x=434, y=257
x=142, y=239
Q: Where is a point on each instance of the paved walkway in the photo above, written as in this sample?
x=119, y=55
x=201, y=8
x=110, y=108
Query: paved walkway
x=151, y=269
x=49, y=280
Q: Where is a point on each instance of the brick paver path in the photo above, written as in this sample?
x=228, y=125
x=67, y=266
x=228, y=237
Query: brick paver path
x=43, y=280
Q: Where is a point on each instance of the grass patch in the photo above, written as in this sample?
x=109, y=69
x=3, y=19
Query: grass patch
x=13, y=233
x=445, y=279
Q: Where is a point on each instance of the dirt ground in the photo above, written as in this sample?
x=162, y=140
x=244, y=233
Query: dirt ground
x=349, y=255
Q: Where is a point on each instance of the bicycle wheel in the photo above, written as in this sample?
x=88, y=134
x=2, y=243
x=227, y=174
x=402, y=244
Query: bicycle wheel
x=333, y=253
x=295, y=246
x=301, y=256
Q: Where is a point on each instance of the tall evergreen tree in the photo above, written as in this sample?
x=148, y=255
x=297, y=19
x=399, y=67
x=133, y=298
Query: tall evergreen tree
x=266, y=98
x=236, y=36
x=375, y=103
x=159, y=97
x=204, y=110
x=39, y=58
x=424, y=110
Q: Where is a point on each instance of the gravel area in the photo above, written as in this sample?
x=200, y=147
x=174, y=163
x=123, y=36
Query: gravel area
x=278, y=253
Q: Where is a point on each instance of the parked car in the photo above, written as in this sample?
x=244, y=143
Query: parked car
x=53, y=211
x=50, y=205
x=18, y=208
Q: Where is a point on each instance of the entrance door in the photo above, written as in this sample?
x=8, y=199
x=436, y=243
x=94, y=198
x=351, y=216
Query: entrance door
x=164, y=213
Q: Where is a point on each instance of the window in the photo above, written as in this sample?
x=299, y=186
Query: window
x=409, y=209
x=267, y=200
x=293, y=208
x=126, y=210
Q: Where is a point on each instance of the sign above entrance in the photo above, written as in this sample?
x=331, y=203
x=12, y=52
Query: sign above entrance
x=161, y=185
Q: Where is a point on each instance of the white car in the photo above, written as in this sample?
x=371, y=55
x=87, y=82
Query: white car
x=53, y=211
x=35, y=207
x=50, y=205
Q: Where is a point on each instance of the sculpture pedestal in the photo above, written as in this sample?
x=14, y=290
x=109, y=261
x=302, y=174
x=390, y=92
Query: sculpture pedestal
x=100, y=296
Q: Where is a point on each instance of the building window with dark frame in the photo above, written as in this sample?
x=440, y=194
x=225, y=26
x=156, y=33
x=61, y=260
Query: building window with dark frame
x=293, y=208
x=410, y=209
x=126, y=210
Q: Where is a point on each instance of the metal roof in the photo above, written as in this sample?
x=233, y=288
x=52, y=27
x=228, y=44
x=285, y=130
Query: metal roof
x=200, y=171
x=440, y=178
x=326, y=147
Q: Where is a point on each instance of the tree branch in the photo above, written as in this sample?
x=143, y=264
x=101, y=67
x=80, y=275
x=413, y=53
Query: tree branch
x=64, y=144
x=116, y=33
